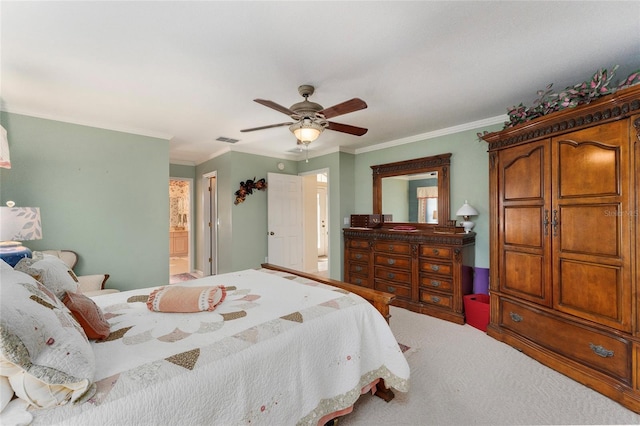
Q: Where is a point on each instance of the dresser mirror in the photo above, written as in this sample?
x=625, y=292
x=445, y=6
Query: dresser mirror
x=415, y=192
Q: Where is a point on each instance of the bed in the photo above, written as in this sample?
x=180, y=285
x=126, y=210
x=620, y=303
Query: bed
x=283, y=347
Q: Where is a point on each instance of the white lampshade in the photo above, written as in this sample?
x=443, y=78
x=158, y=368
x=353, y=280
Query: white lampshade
x=18, y=224
x=465, y=211
x=306, y=130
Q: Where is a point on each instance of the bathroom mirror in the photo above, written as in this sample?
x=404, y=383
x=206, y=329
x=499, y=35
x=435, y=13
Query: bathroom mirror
x=414, y=192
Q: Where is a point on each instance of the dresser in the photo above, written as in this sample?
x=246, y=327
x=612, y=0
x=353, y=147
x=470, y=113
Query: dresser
x=564, y=242
x=423, y=269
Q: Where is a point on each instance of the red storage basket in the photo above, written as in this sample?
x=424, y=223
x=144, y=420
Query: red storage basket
x=476, y=310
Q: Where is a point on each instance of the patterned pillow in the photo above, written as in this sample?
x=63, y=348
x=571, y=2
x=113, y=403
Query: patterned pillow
x=43, y=351
x=88, y=314
x=50, y=271
x=186, y=299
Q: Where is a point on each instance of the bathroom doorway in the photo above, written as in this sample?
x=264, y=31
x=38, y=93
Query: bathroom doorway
x=179, y=227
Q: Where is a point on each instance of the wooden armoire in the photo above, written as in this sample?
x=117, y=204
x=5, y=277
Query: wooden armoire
x=564, y=243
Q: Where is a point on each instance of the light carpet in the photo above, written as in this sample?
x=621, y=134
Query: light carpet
x=461, y=376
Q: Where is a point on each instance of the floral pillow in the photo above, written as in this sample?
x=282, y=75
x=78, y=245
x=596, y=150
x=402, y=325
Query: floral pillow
x=44, y=353
x=50, y=271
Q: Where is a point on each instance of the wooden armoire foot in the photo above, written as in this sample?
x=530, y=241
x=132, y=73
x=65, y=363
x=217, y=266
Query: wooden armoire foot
x=564, y=203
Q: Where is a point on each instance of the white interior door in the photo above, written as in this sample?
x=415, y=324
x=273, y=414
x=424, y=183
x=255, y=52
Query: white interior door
x=285, y=236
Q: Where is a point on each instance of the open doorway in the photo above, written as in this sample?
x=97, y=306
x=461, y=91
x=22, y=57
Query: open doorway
x=316, y=222
x=179, y=226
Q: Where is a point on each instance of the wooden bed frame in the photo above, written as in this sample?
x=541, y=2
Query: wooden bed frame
x=380, y=300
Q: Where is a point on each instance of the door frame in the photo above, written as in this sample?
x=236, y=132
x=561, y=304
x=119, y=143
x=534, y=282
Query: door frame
x=209, y=215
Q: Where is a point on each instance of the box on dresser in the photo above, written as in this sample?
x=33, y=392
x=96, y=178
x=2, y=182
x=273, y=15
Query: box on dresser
x=369, y=220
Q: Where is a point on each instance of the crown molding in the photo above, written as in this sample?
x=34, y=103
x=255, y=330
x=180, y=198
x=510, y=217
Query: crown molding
x=499, y=119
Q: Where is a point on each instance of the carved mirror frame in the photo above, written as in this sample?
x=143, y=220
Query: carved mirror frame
x=437, y=163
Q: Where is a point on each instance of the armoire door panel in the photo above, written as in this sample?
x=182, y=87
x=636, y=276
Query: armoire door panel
x=523, y=226
x=526, y=162
x=590, y=230
x=591, y=291
x=589, y=169
x=524, y=275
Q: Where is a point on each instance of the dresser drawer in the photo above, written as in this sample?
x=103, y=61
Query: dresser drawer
x=359, y=255
x=395, y=275
x=436, y=283
x=393, y=288
x=392, y=247
x=359, y=269
x=606, y=353
x=360, y=280
x=435, y=267
x=359, y=244
x=438, y=299
x=393, y=261
x=437, y=252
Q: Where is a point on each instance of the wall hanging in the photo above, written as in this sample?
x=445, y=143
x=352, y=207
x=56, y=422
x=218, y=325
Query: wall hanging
x=247, y=187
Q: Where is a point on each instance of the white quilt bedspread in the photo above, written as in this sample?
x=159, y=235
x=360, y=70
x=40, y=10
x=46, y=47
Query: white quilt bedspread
x=279, y=350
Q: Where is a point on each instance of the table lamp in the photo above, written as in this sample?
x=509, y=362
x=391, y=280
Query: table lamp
x=465, y=211
x=18, y=224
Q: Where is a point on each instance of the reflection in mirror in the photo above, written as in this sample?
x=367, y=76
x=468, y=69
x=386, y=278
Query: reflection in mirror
x=413, y=191
x=411, y=198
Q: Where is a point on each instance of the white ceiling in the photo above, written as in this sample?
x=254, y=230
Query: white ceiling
x=189, y=71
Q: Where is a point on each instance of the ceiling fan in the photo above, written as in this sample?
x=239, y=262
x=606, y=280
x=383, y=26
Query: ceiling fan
x=310, y=118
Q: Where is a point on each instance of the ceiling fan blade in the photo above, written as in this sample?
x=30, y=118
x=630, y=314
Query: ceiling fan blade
x=346, y=128
x=345, y=107
x=267, y=127
x=275, y=106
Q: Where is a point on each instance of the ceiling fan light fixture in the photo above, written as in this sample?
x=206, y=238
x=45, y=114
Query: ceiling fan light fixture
x=306, y=130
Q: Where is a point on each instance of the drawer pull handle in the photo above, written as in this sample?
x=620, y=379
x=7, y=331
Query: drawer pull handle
x=435, y=299
x=358, y=281
x=435, y=283
x=436, y=251
x=391, y=289
x=435, y=267
x=391, y=275
x=358, y=268
x=601, y=351
x=358, y=256
x=515, y=317
x=391, y=261
x=391, y=248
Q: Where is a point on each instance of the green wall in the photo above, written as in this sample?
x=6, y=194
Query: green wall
x=242, y=228
x=101, y=193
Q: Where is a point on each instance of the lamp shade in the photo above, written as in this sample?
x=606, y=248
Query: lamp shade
x=466, y=210
x=20, y=224
x=306, y=130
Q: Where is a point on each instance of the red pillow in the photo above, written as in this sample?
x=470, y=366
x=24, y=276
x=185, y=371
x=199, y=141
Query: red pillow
x=88, y=314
